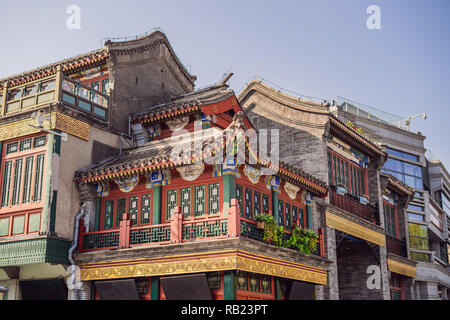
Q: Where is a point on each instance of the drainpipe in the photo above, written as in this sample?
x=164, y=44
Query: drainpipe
x=79, y=294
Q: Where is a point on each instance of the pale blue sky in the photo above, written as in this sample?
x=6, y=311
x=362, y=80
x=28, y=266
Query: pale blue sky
x=317, y=48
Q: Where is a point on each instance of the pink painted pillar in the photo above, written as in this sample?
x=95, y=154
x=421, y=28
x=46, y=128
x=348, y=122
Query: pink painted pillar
x=234, y=219
x=176, y=226
x=124, y=232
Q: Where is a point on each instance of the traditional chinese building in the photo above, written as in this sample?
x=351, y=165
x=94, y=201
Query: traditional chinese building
x=363, y=215
x=170, y=223
x=427, y=217
x=82, y=104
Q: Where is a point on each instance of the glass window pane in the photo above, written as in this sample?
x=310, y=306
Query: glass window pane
x=413, y=169
x=394, y=165
x=6, y=183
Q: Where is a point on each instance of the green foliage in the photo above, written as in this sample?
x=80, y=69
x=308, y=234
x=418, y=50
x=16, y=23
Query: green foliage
x=302, y=240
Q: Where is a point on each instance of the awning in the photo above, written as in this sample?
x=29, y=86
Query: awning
x=117, y=290
x=190, y=287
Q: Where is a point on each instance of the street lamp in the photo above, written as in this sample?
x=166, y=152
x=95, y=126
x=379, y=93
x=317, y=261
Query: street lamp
x=40, y=118
x=3, y=292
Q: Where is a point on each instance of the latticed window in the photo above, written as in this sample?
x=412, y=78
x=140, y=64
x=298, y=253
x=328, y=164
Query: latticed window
x=254, y=282
x=23, y=172
x=28, y=174
x=133, y=209
x=240, y=198
x=214, y=279
x=121, y=207
x=109, y=214
x=186, y=202
x=146, y=208
x=214, y=198
x=199, y=204
x=248, y=203
x=6, y=183
x=287, y=215
x=38, y=179
x=257, y=203
x=344, y=173
x=171, y=203
x=280, y=212
x=17, y=180
x=390, y=219
x=265, y=203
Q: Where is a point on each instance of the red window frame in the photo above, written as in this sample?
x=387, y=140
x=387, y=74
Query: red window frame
x=393, y=287
x=349, y=182
x=251, y=295
x=394, y=210
x=283, y=196
x=115, y=195
x=179, y=184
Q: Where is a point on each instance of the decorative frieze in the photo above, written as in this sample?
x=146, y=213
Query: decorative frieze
x=58, y=121
x=253, y=174
x=191, y=172
x=291, y=190
x=127, y=184
x=352, y=228
x=206, y=262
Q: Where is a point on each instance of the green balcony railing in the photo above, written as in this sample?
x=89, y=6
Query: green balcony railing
x=56, y=88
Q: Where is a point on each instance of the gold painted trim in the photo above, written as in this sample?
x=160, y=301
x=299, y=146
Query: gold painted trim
x=355, y=229
x=401, y=268
x=58, y=121
x=205, y=262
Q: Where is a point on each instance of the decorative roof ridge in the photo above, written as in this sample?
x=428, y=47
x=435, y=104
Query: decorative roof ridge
x=49, y=68
x=283, y=98
x=163, y=39
x=182, y=103
x=365, y=139
x=398, y=183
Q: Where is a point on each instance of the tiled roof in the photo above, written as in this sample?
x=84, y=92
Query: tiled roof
x=357, y=137
x=70, y=65
x=398, y=184
x=186, y=103
x=169, y=153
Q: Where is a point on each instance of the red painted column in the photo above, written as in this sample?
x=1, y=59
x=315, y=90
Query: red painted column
x=81, y=232
x=322, y=242
x=176, y=226
x=234, y=219
x=124, y=232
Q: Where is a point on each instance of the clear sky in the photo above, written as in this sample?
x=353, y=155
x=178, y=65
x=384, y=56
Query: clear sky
x=316, y=48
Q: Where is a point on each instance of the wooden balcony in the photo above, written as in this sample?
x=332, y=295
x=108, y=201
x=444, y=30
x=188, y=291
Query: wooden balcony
x=178, y=230
x=396, y=246
x=56, y=88
x=351, y=204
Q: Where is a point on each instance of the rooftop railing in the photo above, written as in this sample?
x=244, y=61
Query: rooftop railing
x=56, y=88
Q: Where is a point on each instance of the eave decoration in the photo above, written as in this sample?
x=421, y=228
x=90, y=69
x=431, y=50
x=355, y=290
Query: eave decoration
x=177, y=124
x=127, y=184
x=273, y=183
x=158, y=178
x=253, y=174
x=291, y=190
x=103, y=189
x=191, y=172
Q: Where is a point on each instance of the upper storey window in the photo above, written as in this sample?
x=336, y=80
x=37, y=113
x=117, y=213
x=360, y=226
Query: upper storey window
x=23, y=171
x=403, y=155
x=347, y=174
x=409, y=173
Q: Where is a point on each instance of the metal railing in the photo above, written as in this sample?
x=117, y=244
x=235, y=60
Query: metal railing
x=365, y=111
x=352, y=205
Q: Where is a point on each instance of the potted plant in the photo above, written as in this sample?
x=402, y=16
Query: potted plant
x=261, y=220
x=341, y=189
x=363, y=200
x=303, y=240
